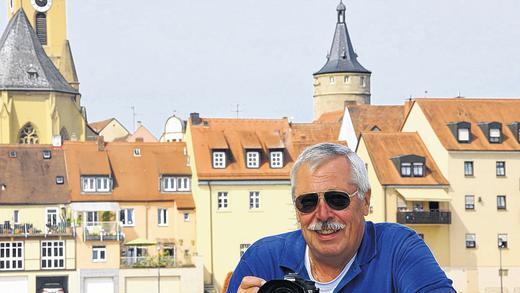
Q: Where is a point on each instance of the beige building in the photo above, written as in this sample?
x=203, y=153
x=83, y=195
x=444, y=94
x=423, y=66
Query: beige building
x=111, y=130
x=452, y=174
x=342, y=79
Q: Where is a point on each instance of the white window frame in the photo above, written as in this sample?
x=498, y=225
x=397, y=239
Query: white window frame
x=502, y=237
x=501, y=202
x=168, y=183
x=94, y=215
x=88, y=184
x=406, y=169
x=469, y=168
x=222, y=200
x=126, y=212
x=418, y=169
x=54, y=254
x=162, y=217
x=137, y=152
x=186, y=217
x=53, y=221
x=501, y=170
x=469, y=202
x=99, y=253
x=183, y=184
x=253, y=159
x=219, y=159
x=96, y=184
x=11, y=256
x=276, y=159
x=463, y=134
x=254, y=200
x=495, y=135
x=471, y=240
x=102, y=184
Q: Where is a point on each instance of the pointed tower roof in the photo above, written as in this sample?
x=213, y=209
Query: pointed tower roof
x=342, y=57
x=24, y=65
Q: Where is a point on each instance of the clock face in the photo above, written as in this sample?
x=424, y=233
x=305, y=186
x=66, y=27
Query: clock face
x=41, y=5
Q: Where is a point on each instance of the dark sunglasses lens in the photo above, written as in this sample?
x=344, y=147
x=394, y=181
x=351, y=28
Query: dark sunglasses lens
x=307, y=203
x=337, y=200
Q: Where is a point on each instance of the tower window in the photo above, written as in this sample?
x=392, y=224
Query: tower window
x=41, y=27
x=363, y=81
x=29, y=135
x=332, y=80
x=347, y=79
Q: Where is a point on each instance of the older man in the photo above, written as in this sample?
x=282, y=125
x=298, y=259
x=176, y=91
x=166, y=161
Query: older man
x=335, y=247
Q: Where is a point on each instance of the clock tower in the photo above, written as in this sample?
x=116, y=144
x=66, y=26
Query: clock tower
x=49, y=20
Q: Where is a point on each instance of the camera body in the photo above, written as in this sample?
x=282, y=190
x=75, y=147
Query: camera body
x=291, y=283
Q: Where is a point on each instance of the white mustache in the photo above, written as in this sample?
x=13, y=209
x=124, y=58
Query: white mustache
x=317, y=225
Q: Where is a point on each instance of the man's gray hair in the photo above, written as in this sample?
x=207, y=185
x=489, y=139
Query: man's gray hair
x=318, y=154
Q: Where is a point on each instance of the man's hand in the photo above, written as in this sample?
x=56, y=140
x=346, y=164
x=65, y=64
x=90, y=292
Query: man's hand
x=250, y=284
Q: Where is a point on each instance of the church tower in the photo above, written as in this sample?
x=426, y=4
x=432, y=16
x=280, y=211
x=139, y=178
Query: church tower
x=49, y=20
x=342, y=79
x=38, y=102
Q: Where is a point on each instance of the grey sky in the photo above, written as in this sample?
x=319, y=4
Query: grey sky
x=207, y=56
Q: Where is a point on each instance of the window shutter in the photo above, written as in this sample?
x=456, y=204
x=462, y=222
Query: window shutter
x=41, y=27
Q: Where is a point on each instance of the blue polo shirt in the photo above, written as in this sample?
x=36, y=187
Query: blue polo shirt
x=391, y=258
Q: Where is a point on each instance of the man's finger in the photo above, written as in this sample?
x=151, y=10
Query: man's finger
x=251, y=282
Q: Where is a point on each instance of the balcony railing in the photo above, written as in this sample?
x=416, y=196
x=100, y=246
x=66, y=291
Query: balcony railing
x=28, y=230
x=152, y=262
x=102, y=231
x=420, y=217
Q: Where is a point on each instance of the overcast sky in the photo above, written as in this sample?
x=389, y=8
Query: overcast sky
x=207, y=56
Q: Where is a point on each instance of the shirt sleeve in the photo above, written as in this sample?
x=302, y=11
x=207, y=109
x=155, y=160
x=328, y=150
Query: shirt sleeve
x=417, y=270
x=242, y=270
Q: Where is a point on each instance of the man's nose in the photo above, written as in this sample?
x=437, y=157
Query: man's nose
x=323, y=211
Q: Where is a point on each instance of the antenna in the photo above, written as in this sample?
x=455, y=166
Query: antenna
x=133, y=117
x=237, y=110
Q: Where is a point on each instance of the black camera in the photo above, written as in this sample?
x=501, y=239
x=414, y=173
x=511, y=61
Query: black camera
x=291, y=283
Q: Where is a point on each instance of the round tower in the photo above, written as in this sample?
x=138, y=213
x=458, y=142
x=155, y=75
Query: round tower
x=342, y=79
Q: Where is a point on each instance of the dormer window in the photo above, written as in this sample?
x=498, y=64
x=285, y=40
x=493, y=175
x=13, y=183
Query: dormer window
x=12, y=154
x=46, y=154
x=276, y=159
x=461, y=131
x=170, y=183
x=96, y=184
x=494, y=135
x=410, y=165
x=253, y=159
x=219, y=159
x=463, y=134
x=493, y=131
x=515, y=129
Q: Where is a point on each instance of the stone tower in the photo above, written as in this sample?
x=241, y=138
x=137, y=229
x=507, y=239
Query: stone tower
x=342, y=79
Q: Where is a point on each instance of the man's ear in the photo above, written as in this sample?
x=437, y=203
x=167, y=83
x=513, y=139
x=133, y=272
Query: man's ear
x=366, y=202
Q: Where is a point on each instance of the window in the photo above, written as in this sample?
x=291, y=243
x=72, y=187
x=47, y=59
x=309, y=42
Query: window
x=162, y=217
x=137, y=152
x=501, y=168
x=172, y=183
x=418, y=169
x=11, y=256
x=501, y=202
x=53, y=255
x=16, y=217
x=243, y=248
x=99, y=253
x=92, y=217
x=219, y=160
x=276, y=159
x=96, y=184
x=12, y=154
x=186, y=217
x=471, y=240
x=46, y=154
x=253, y=159
x=41, y=27
x=222, y=200
x=254, y=200
x=60, y=180
x=28, y=135
x=406, y=169
x=469, y=201
x=51, y=216
x=463, y=134
x=363, y=81
x=332, y=80
x=346, y=79
x=126, y=217
x=495, y=135
x=468, y=168
x=502, y=240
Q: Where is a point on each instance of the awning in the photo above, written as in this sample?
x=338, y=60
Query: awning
x=94, y=206
x=140, y=242
x=424, y=194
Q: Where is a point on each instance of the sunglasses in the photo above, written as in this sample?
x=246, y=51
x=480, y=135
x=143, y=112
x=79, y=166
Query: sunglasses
x=336, y=200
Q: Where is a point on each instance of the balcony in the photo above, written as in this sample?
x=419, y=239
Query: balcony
x=102, y=231
x=153, y=262
x=28, y=230
x=424, y=217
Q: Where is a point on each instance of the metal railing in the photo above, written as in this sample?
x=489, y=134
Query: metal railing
x=28, y=229
x=422, y=217
x=153, y=262
x=102, y=231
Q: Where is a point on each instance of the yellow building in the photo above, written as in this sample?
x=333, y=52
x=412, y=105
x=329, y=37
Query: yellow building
x=39, y=98
x=342, y=79
x=470, y=218
x=37, y=236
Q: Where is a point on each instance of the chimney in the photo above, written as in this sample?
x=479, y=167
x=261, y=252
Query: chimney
x=101, y=143
x=195, y=118
x=139, y=139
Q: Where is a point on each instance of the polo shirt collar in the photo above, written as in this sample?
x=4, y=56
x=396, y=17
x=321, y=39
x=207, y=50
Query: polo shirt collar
x=293, y=253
